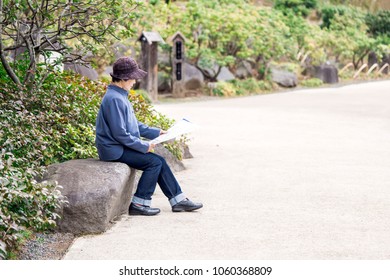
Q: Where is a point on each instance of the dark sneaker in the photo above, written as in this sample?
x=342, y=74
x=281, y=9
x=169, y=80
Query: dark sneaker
x=142, y=210
x=186, y=205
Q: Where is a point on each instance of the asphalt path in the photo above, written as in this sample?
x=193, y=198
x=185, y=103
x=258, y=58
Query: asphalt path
x=295, y=175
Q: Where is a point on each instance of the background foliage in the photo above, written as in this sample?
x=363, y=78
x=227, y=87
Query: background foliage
x=298, y=7
x=52, y=124
x=226, y=33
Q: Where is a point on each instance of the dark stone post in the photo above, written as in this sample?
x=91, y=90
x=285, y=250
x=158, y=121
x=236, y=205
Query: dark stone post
x=178, y=55
x=149, y=49
x=385, y=59
x=372, y=59
x=327, y=73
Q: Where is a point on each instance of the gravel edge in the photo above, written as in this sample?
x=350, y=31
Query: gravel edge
x=46, y=246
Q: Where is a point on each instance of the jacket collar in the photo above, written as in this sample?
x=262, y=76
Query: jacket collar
x=118, y=89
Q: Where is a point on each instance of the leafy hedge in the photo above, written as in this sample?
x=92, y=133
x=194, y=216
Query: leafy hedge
x=379, y=23
x=40, y=127
x=240, y=87
x=298, y=7
x=313, y=82
x=329, y=12
x=24, y=203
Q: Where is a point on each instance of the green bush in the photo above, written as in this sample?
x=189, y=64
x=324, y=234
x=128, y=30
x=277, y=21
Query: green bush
x=288, y=66
x=251, y=86
x=265, y=85
x=313, y=82
x=347, y=74
x=55, y=122
x=240, y=87
x=329, y=12
x=379, y=23
x=298, y=7
x=24, y=203
x=38, y=128
x=223, y=89
x=246, y=86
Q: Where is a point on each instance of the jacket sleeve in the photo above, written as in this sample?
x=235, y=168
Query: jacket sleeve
x=148, y=132
x=117, y=122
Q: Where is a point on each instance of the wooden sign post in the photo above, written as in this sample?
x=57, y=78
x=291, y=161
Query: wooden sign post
x=149, y=48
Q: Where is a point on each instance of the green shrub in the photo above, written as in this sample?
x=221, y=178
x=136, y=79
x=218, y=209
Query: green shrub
x=313, y=82
x=54, y=123
x=347, y=74
x=24, y=203
x=329, y=12
x=265, y=85
x=298, y=7
x=251, y=86
x=379, y=23
x=223, y=89
x=291, y=67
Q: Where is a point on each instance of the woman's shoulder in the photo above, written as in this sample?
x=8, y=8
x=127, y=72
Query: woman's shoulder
x=113, y=95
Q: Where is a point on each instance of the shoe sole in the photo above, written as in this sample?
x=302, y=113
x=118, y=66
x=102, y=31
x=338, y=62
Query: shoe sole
x=138, y=213
x=186, y=209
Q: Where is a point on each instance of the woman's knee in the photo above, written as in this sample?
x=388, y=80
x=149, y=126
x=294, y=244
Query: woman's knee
x=156, y=162
x=162, y=159
x=163, y=162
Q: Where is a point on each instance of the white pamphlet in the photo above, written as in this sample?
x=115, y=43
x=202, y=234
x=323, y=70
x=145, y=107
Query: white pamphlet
x=179, y=128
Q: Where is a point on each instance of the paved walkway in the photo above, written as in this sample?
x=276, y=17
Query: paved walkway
x=294, y=175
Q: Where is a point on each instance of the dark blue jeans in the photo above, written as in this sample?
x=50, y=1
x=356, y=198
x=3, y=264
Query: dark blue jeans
x=155, y=170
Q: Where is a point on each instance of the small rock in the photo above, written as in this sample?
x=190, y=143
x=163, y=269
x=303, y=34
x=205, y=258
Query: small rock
x=175, y=164
x=284, y=78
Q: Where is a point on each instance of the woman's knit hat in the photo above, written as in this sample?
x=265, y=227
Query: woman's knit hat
x=125, y=68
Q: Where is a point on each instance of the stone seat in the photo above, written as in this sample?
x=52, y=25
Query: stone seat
x=97, y=192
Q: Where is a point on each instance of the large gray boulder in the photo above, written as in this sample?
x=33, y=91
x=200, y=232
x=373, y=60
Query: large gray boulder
x=163, y=57
x=108, y=70
x=327, y=73
x=191, y=72
x=185, y=149
x=244, y=70
x=284, y=78
x=164, y=82
x=225, y=75
x=85, y=71
x=193, y=79
x=97, y=192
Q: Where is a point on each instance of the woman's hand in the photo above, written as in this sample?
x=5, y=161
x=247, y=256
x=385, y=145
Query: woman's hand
x=151, y=147
x=162, y=131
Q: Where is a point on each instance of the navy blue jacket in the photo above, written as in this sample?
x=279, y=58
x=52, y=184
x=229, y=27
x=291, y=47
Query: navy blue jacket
x=117, y=127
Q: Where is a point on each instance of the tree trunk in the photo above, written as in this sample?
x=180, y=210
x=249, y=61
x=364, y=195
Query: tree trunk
x=208, y=76
x=3, y=59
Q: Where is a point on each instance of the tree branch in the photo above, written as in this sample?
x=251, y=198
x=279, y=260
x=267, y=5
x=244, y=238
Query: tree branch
x=31, y=68
x=4, y=61
x=45, y=25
